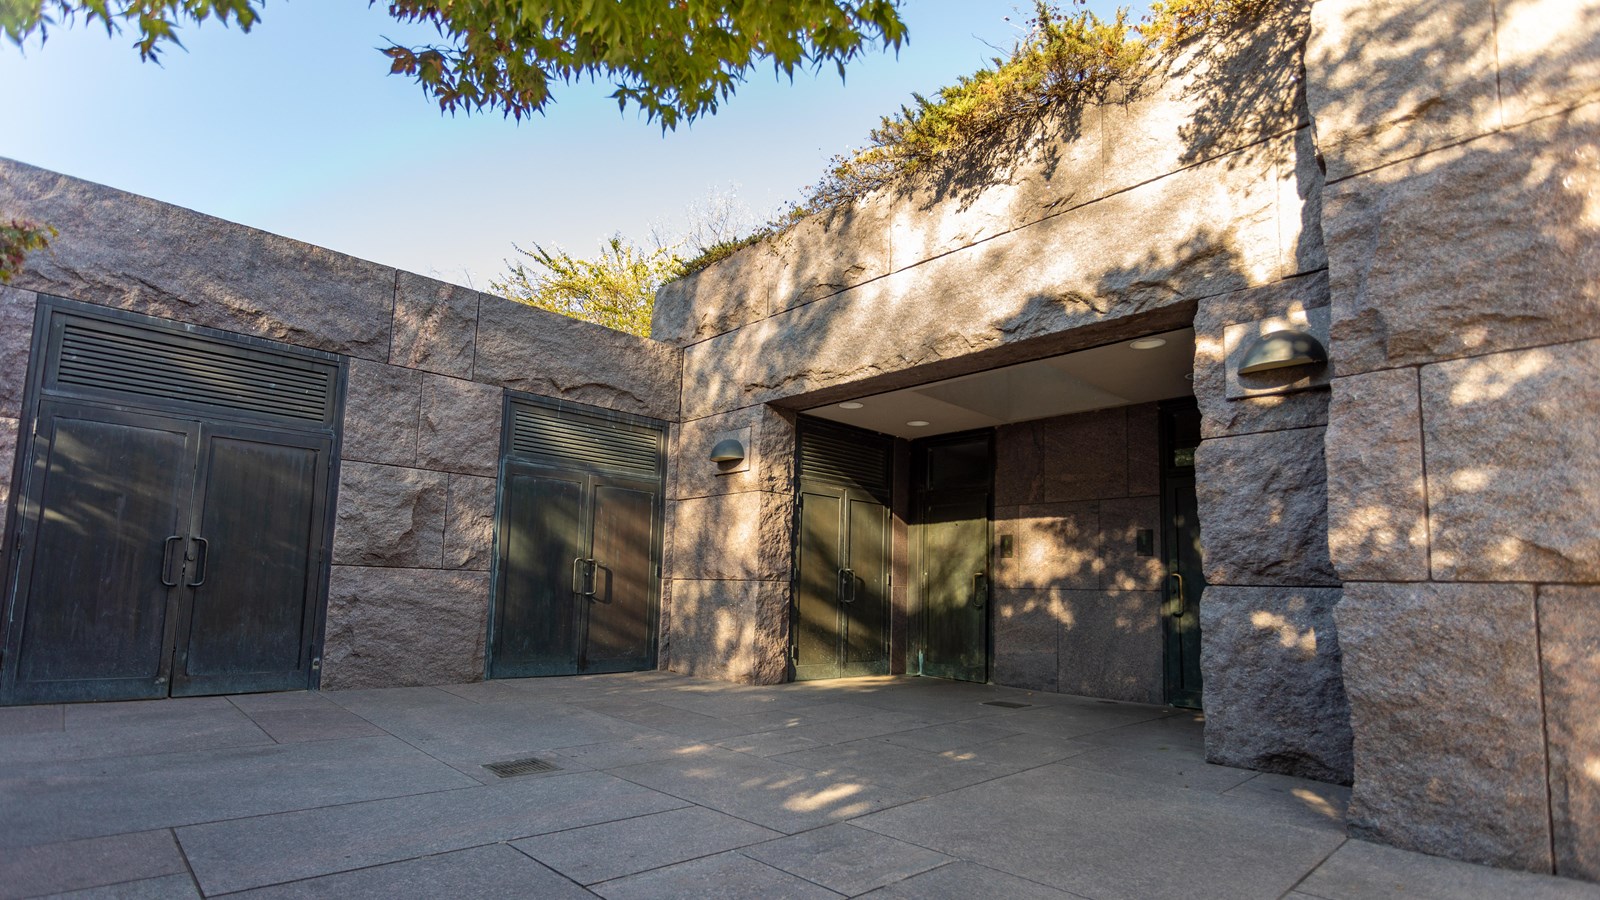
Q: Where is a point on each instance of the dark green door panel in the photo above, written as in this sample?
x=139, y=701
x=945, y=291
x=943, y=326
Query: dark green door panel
x=1180, y=434
x=1185, y=582
x=544, y=567
x=96, y=570
x=620, y=615
x=955, y=586
x=865, y=614
x=254, y=571
x=954, y=479
x=819, y=585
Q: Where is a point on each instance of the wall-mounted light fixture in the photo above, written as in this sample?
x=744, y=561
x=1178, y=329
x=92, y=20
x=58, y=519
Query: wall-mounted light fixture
x=728, y=452
x=1282, y=349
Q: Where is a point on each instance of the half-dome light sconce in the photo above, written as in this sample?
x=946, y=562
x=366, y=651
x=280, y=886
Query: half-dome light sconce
x=728, y=451
x=1282, y=349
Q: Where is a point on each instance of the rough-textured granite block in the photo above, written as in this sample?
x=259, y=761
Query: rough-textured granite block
x=1274, y=688
x=1443, y=683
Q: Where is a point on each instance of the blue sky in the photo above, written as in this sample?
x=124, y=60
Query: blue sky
x=296, y=128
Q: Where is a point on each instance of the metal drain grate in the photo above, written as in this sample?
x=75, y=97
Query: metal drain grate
x=1007, y=704
x=514, y=767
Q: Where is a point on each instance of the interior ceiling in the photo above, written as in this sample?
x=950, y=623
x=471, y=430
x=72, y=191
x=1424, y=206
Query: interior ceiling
x=1098, y=378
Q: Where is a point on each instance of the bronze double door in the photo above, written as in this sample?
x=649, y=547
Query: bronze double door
x=840, y=625
x=842, y=592
x=172, y=514
x=579, y=543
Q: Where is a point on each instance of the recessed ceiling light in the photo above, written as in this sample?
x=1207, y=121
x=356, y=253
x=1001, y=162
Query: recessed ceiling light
x=917, y=423
x=1148, y=343
x=851, y=405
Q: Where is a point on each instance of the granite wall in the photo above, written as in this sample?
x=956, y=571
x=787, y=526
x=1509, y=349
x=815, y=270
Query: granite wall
x=429, y=364
x=1193, y=199
x=1462, y=146
x=1075, y=608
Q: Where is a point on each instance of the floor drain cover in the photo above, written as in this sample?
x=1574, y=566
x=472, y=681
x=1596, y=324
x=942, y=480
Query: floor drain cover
x=521, y=767
x=1006, y=704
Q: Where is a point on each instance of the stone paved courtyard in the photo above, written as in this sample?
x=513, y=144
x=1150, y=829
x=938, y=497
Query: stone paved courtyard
x=668, y=786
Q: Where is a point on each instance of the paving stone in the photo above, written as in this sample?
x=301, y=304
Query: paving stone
x=15, y=720
x=727, y=876
x=89, y=731
x=956, y=736
x=1364, y=871
x=1018, y=752
x=964, y=881
x=231, y=856
x=1082, y=717
x=777, y=796
x=646, y=748
x=496, y=871
x=846, y=859
x=49, y=802
x=329, y=724
x=840, y=731
x=1178, y=767
x=1314, y=804
x=614, y=849
x=1108, y=840
x=769, y=743
x=74, y=865
x=1180, y=730
x=168, y=887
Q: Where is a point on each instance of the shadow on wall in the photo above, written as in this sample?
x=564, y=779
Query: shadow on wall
x=1241, y=87
x=1444, y=72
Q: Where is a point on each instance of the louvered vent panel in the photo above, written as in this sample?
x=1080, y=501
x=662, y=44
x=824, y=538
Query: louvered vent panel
x=851, y=458
x=190, y=369
x=566, y=438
